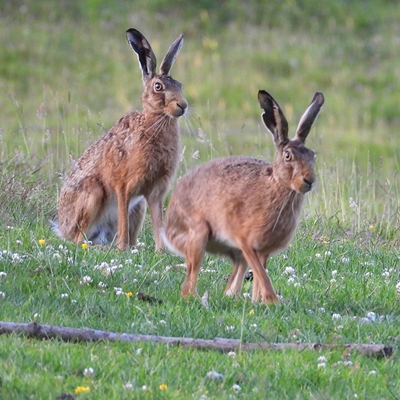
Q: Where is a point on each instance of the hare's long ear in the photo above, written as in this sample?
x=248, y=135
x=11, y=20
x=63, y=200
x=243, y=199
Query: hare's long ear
x=308, y=118
x=170, y=57
x=142, y=48
x=274, y=119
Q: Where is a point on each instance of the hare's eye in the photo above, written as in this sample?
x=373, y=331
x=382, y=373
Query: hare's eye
x=288, y=156
x=158, y=86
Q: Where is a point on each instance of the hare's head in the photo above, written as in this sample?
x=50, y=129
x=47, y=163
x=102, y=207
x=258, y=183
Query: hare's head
x=294, y=164
x=161, y=93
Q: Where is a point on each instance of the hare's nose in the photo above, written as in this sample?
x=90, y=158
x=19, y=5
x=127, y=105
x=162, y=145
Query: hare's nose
x=308, y=183
x=182, y=105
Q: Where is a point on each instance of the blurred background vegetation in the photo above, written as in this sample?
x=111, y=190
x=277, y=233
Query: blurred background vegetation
x=67, y=74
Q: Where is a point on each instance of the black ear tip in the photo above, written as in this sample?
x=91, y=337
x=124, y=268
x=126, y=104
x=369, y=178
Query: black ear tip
x=318, y=96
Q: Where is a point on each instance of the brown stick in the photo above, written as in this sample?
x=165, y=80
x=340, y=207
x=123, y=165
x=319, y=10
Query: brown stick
x=89, y=335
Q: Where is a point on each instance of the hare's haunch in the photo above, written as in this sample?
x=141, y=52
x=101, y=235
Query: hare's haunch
x=244, y=208
x=104, y=197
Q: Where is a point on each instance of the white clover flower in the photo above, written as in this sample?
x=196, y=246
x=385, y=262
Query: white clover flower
x=138, y=266
x=196, y=155
x=321, y=309
x=2, y=295
x=139, y=351
x=321, y=365
x=290, y=280
x=118, y=291
x=297, y=284
x=86, y=280
x=144, y=387
x=333, y=280
x=229, y=328
x=327, y=253
x=318, y=255
x=322, y=359
x=398, y=288
x=232, y=354
x=215, y=375
x=254, y=326
x=102, y=285
x=236, y=388
x=334, y=272
x=289, y=271
x=372, y=372
x=2, y=274
x=371, y=316
x=64, y=295
x=162, y=322
x=365, y=321
x=336, y=317
x=134, y=251
x=127, y=385
x=345, y=260
x=88, y=371
x=18, y=241
x=339, y=327
x=348, y=363
x=36, y=315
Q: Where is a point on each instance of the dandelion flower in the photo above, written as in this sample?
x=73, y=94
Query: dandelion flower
x=84, y=246
x=82, y=389
x=371, y=227
x=163, y=386
x=42, y=242
x=129, y=294
x=251, y=312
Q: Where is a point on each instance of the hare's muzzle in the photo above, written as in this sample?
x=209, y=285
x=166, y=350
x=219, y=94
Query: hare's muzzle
x=307, y=185
x=181, y=107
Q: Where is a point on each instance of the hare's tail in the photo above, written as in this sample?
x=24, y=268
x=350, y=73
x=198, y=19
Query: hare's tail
x=169, y=245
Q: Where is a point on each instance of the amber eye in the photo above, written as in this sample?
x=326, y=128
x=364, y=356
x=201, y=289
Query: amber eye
x=158, y=86
x=288, y=156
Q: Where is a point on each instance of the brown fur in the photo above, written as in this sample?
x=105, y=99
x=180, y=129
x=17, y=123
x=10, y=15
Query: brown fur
x=244, y=208
x=104, y=197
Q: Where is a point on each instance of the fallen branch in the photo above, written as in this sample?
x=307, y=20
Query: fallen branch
x=38, y=331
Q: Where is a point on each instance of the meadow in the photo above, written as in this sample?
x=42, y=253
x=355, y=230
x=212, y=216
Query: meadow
x=67, y=74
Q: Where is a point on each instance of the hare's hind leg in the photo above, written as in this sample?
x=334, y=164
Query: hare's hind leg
x=235, y=282
x=78, y=211
x=262, y=285
x=136, y=218
x=194, y=253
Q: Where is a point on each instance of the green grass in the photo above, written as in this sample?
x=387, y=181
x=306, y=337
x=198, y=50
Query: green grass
x=67, y=73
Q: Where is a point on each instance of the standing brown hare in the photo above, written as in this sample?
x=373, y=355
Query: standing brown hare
x=244, y=208
x=104, y=197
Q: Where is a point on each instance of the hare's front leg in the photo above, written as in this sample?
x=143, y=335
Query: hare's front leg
x=154, y=200
x=235, y=282
x=123, y=223
x=136, y=218
x=262, y=286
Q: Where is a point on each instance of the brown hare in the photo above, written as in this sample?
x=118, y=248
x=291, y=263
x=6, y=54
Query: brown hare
x=244, y=208
x=104, y=197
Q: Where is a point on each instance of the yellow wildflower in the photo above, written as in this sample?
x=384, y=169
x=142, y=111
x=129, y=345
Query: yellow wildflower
x=129, y=294
x=42, y=242
x=84, y=246
x=251, y=312
x=324, y=242
x=371, y=227
x=81, y=389
x=163, y=386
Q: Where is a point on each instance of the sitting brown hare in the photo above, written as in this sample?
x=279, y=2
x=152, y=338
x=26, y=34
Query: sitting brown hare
x=104, y=197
